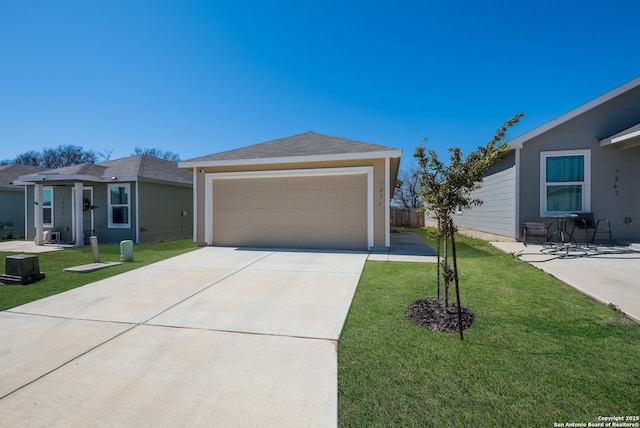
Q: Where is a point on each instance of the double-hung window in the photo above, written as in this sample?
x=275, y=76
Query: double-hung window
x=47, y=207
x=566, y=182
x=119, y=205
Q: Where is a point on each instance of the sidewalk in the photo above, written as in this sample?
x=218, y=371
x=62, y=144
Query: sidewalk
x=610, y=275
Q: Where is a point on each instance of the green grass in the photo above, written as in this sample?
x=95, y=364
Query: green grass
x=56, y=281
x=537, y=353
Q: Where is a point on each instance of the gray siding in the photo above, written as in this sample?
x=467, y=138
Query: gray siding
x=497, y=214
x=607, y=163
x=161, y=208
x=12, y=211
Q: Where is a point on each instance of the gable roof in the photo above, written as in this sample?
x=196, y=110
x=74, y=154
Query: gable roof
x=10, y=173
x=518, y=142
x=126, y=169
x=309, y=146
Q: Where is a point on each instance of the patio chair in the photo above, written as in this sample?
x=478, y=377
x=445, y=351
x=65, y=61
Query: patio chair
x=534, y=233
x=587, y=223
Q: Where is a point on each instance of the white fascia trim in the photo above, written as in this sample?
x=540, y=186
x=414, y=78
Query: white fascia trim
x=625, y=137
x=283, y=173
x=89, y=178
x=291, y=159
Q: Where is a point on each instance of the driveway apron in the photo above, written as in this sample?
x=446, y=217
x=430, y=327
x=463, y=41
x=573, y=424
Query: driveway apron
x=215, y=337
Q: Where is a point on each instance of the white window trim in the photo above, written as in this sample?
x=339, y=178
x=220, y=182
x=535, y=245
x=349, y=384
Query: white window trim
x=53, y=222
x=586, y=189
x=110, y=206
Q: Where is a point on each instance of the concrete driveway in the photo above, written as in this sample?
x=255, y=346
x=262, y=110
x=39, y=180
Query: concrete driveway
x=216, y=337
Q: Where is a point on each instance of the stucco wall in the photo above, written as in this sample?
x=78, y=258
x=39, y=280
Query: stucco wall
x=12, y=211
x=378, y=182
x=161, y=212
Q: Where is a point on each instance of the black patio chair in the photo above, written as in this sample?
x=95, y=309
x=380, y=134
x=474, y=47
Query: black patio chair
x=587, y=223
x=534, y=233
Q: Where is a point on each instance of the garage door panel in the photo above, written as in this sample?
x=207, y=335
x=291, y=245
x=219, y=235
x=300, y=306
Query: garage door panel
x=302, y=212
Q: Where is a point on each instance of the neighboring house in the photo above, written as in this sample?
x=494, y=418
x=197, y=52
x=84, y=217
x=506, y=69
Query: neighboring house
x=587, y=160
x=12, y=199
x=141, y=198
x=305, y=191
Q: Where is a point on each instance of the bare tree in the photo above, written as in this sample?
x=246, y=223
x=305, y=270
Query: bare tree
x=158, y=153
x=56, y=157
x=407, y=193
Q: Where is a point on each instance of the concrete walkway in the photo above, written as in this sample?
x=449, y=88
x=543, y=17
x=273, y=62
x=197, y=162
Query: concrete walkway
x=606, y=274
x=215, y=337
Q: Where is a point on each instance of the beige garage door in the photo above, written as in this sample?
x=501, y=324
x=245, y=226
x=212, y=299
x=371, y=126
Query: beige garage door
x=293, y=212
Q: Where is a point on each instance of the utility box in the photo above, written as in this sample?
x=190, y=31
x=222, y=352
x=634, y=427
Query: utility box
x=21, y=269
x=126, y=250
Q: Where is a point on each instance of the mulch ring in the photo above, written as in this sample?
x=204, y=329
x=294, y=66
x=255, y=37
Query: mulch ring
x=431, y=313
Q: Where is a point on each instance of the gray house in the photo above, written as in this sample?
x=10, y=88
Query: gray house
x=141, y=198
x=585, y=161
x=12, y=206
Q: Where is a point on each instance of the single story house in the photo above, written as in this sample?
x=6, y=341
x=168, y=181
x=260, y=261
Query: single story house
x=305, y=191
x=12, y=206
x=585, y=161
x=140, y=198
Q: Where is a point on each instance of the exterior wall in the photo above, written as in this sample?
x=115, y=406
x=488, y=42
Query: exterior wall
x=379, y=215
x=12, y=211
x=161, y=209
x=609, y=167
x=497, y=214
x=63, y=213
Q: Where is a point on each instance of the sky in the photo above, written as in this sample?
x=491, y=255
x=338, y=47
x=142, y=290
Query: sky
x=201, y=77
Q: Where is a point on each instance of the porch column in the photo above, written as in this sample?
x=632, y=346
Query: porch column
x=37, y=213
x=77, y=209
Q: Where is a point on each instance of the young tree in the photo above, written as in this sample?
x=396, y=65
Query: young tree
x=445, y=188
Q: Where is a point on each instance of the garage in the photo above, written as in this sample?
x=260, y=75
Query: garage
x=308, y=191
x=324, y=209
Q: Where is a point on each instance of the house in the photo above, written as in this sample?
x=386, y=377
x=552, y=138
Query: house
x=305, y=191
x=139, y=198
x=586, y=160
x=12, y=199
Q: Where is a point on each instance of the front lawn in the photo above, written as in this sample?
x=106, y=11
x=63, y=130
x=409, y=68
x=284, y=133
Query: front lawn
x=56, y=281
x=538, y=352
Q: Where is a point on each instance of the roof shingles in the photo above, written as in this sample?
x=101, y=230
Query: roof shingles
x=307, y=144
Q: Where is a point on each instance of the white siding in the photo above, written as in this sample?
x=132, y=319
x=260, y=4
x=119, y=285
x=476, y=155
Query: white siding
x=497, y=214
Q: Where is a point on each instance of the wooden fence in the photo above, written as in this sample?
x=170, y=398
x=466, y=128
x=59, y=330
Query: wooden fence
x=401, y=217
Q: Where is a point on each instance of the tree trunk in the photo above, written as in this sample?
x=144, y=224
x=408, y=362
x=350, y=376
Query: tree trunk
x=455, y=277
x=445, y=264
x=438, y=254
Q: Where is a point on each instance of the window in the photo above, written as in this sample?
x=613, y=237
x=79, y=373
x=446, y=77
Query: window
x=47, y=207
x=566, y=178
x=119, y=205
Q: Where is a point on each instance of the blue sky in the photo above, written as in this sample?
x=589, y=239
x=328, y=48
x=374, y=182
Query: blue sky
x=199, y=77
